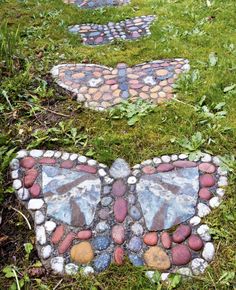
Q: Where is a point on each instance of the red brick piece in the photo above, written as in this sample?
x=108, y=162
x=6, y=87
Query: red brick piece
x=150, y=239
x=66, y=243
x=119, y=256
x=47, y=160
x=67, y=164
x=27, y=162
x=86, y=168
x=84, y=235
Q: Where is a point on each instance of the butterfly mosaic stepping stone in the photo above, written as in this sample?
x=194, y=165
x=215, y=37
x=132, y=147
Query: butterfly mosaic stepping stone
x=101, y=87
x=131, y=29
x=94, y=4
x=87, y=215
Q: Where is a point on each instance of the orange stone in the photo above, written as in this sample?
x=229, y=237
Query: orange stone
x=82, y=253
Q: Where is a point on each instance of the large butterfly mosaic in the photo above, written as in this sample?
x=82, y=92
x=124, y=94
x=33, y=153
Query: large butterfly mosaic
x=87, y=215
x=93, y=4
x=101, y=87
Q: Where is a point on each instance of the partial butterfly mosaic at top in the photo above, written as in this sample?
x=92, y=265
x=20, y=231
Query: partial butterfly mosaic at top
x=131, y=29
x=101, y=87
x=93, y=4
x=88, y=215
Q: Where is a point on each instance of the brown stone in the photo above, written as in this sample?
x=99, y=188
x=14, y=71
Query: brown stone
x=165, y=167
x=27, y=162
x=82, y=253
x=180, y=255
x=149, y=170
x=156, y=258
x=66, y=243
x=150, y=239
x=58, y=234
x=86, y=168
x=184, y=164
x=195, y=243
x=119, y=256
x=84, y=235
x=67, y=164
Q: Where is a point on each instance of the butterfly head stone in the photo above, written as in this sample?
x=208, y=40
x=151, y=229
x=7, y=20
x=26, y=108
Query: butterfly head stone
x=87, y=215
x=101, y=87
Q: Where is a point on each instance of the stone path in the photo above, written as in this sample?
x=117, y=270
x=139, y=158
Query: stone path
x=131, y=29
x=87, y=215
x=101, y=87
x=93, y=4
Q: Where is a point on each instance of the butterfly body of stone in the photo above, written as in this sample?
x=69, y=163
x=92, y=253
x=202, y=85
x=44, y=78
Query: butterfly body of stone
x=80, y=206
x=100, y=87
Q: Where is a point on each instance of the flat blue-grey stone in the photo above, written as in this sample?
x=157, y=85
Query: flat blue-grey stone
x=102, y=262
x=136, y=260
x=168, y=198
x=101, y=243
x=120, y=169
x=71, y=196
x=135, y=244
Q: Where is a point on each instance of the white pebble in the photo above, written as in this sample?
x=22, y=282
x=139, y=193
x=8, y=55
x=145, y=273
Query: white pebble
x=57, y=154
x=108, y=180
x=48, y=153
x=65, y=156
x=15, y=174
x=92, y=162
x=41, y=235
x=185, y=271
x=183, y=156
x=208, y=252
x=136, y=172
x=166, y=158
x=71, y=269
x=147, y=162
x=23, y=193
x=73, y=157
x=174, y=157
x=164, y=276
x=216, y=160
x=132, y=180
x=214, y=202
x=57, y=265
x=46, y=252
x=203, y=210
x=156, y=160
x=136, y=166
x=21, y=154
x=206, y=157
x=50, y=226
x=198, y=266
x=203, y=232
x=222, y=181
x=35, y=203
x=14, y=164
x=17, y=184
x=220, y=192
x=82, y=159
x=102, y=172
x=88, y=270
x=102, y=227
x=36, y=153
x=195, y=221
x=39, y=217
x=137, y=229
x=149, y=275
x=102, y=165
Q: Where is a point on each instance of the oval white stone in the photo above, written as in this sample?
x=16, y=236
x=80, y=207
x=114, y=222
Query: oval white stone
x=17, y=184
x=88, y=270
x=198, y=266
x=71, y=269
x=132, y=180
x=208, y=252
x=50, y=226
x=23, y=193
x=82, y=159
x=203, y=210
x=41, y=235
x=46, y=252
x=39, y=217
x=214, y=202
x=35, y=203
x=48, y=153
x=203, y=232
x=15, y=174
x=195, y=221
x=102, y=172
x=21, y=154
x=166, y=158
x=36, y=153
x=65, y=156
x=57, y=265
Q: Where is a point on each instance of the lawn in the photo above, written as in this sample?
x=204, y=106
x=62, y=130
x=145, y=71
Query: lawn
x=35, y=113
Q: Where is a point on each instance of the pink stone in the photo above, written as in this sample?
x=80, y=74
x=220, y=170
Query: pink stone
x=150, y=239
x=30, y=177
x=181, y=255
x=136, y=86
x=164, y=167
x=166, y=240
x=111, y=82
x=99, y=39
x=207, y=167
x=67, y=164
x=120, y=209
x=181, y=233
x=35, y=190
x=149, y=170
x=119, y=256
x=118, y=234
x=58, y=234
x=184, y=164
x=86, y=168
x=84, y=235
x=27, y=162
x=119, y=188
x=204, y=193
x=207, y=180
x=66, y=243
x=47, y=160
x=195, y=243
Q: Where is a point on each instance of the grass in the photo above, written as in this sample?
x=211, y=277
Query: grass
x=35, y=113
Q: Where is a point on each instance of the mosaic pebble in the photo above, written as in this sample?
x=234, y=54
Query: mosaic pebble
x=166, y=240
x=135, y=213
x=120, y=209
x=195, y=242
x=102, y=262
x=135, y=244
x=57, y=265
x=198, y=266
x=204, y=233
x=58, y=234
x=119, y=255
x=208, y=252
x=119, y=169
x=155, y=257
x=23, y=194
x=71, y=269
x=50, y=226
x=46, y=252
x=180, y=255
x=36, y=153
x=101, y=243
x=137, y=229
x=136, y=260
x=203, y=210
x=82, y=253
x=150, y=239
x=39, y=217
x=205, y=194
x=35, y=203
x=41, y=235
x=181, y=233
x=119, y=188
x=118, y=234
x=84, y=235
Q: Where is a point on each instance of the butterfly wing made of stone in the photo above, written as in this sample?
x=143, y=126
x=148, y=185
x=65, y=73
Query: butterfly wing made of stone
x=100, y=87
x=93, y=4
x=87, y=214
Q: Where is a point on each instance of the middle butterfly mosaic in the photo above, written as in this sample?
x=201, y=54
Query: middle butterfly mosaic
x=101, y=87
